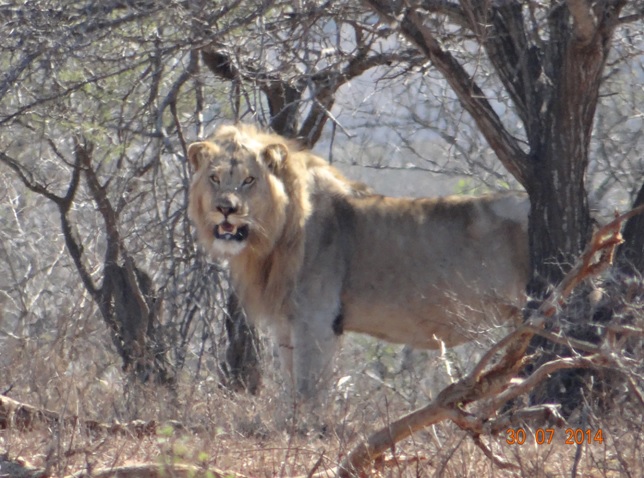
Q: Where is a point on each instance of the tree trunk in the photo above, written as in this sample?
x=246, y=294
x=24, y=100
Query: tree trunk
x=630, y=255
x=134, y=318
x=560, y=221
x=242, y=367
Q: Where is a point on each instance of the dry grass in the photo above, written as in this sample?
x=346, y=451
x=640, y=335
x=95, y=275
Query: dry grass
x=201, y=424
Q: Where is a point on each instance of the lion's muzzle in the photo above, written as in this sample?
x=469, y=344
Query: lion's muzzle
x=229, y=232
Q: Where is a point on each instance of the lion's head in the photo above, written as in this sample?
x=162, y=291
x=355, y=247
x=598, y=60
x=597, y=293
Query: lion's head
x=241, y=195
x=250, y=200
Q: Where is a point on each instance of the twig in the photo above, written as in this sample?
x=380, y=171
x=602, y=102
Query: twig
x=154, y=470
x=604, y=241
x=635, y=390
x=498, y=461
x=574, y=344
x=546, y=413
x=316, y=466
x=543, y=372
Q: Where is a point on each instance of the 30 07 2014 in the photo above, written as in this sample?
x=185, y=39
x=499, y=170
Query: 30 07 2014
x=545, y=436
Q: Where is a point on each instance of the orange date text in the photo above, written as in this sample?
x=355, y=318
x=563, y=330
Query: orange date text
x=546, y=436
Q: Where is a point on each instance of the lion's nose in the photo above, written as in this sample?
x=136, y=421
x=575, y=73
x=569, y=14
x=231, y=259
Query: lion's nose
x=227, y=204
x=227, y=210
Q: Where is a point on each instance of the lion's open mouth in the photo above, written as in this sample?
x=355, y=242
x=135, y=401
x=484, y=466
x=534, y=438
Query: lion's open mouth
x=229, y=232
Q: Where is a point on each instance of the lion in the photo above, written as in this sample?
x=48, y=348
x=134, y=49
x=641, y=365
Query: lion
x=313, y=255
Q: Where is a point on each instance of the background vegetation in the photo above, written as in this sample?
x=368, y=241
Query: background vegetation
x=109, y=311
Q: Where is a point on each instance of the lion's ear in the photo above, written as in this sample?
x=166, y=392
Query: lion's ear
x=275, y=156
x=196, y=154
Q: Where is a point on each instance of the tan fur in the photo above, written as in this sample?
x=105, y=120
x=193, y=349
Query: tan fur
x=325, y=255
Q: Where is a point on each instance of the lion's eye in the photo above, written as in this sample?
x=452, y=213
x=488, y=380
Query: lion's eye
x=248, y=181
x=214, y=179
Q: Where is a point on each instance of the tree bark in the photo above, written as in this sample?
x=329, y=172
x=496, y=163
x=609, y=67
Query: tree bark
x=243, y=368
x=560, y=217
x=630, y=255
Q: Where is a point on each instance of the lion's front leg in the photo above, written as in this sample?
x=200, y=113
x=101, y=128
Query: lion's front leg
x=314, y=345
x=283, y=339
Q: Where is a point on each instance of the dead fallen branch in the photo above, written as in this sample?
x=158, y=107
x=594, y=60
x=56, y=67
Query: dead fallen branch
x=597, y=256
x=154, y=470
x=19, y=468
x=21, y=416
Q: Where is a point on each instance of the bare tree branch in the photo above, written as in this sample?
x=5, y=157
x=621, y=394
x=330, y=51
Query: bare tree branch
x=451, y=10
x=28, y=180
x=63, y=203
x=469, y=93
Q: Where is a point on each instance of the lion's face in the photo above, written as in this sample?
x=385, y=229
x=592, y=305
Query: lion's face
x=236, y=200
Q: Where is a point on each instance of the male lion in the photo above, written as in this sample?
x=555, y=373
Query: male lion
x=313, y=254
